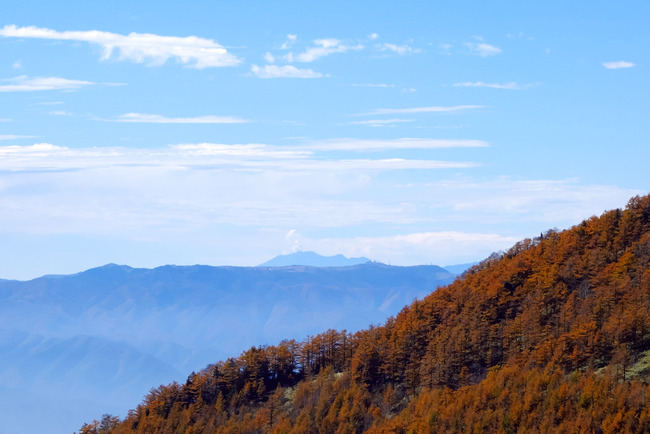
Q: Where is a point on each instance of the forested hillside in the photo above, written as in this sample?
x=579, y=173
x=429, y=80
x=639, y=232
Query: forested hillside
x=551, y=336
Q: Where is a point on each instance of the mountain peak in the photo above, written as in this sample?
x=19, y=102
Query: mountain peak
x=313, y=259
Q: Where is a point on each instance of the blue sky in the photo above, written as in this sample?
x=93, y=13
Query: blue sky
x=225, y=133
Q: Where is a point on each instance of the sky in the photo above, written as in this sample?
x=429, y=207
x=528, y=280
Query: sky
x=225, y=133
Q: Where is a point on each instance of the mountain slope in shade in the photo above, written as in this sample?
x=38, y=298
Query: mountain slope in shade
x=112, y=332
x=313, y=259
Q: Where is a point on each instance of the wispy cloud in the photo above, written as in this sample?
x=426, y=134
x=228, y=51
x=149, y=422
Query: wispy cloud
x=510, y=86
x=348, y=144
x=45, y=156
x=291, y=39
x=620, y=64
x=25, y=84
x=192, y=51
x=399, y=49
x=205, y=191
x=14, y=137
x=286, y=71
x=321, y=48
x=380, y=122
x=35, y=150
x=430, y=109
x=482, y=49
x=158, y=119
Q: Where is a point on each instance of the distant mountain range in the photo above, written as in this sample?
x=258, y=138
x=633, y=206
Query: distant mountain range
x=460, y=268
x=314, y=260
x=109, y=334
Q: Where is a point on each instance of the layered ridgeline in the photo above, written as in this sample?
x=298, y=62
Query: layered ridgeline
x=553, y=335
x=106, y=335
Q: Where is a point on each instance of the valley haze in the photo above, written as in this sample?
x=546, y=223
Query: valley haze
x=108, y=334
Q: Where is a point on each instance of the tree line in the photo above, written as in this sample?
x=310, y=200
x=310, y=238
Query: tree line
x=551, y=336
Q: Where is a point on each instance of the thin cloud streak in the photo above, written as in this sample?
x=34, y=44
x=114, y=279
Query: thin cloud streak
x=430, y=109
x=510, y=86
x=621, y=64
x=14, y=137
x=158, y=119
x=322, y=48
x=256, y=157
x=482, y=49
x=192, y=51
x=380, y=122
x=25, y=84
x=348, y=144
x=286, y=71
x=399, y=49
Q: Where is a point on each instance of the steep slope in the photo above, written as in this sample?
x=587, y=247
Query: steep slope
x=551, y=336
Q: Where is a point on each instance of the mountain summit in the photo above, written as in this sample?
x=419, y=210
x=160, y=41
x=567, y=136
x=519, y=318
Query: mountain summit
x=313, y=259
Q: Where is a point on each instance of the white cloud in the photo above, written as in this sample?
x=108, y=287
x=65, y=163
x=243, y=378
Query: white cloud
x=380, y=122
x=291, y=39
x=286, y=71
x=13, y=136
x=430, y=109
x=209, y=195
x=399, y=49
x=255, y=151
x=190, y=187
x=322, y=48
x=269, y=58
x=17, y=64
x=36, y=150
x=139, y=47
x=394, y=144
x=482, y=49
x=158, y=119
x=511, y=85
x=25, y=84
x=621, y=64
x=257, y=157
x=373, y=36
